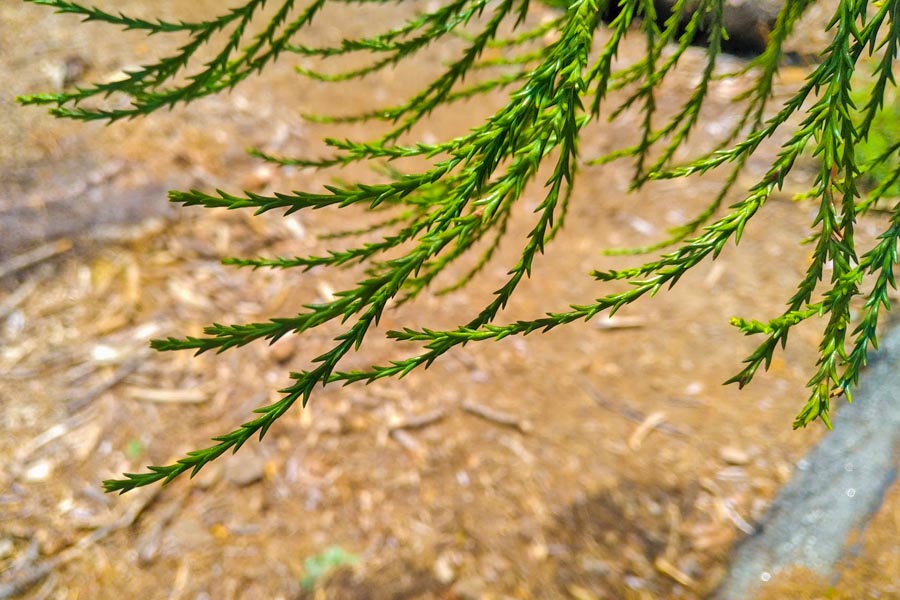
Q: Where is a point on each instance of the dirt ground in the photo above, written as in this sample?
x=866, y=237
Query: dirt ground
x=602, y=460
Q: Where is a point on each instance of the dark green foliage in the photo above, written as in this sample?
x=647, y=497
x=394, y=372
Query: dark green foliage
x=467, y=194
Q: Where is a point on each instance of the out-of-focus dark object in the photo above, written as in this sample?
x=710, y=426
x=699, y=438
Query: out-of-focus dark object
x=74, y=205
x=74, y=68
x=66, y=73
x=747, y=22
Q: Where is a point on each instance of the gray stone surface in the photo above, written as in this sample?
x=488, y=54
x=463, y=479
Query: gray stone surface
x=836, y=489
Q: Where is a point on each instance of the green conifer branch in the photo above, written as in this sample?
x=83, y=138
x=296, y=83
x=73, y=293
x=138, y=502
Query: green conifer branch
x=560, y=80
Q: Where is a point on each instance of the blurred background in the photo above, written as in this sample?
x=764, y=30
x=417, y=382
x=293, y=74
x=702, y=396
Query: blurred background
x=601, y=460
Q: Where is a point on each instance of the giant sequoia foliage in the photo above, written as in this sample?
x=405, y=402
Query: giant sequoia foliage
x=556, y=85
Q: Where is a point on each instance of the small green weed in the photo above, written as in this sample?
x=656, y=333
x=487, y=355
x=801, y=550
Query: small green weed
x=134, y=449
x=321, y=565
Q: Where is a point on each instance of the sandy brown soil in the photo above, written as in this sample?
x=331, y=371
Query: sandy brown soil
x=603, y=460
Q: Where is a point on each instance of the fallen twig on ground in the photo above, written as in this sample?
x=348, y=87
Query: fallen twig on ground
x=34, y=573
x=497, y=416
x=406, y=440
x=164, y=396
x=21, y=293
x=124, y=370
x=632, y=414
x=653, y=421
x=419, y=421
x=34, y=256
